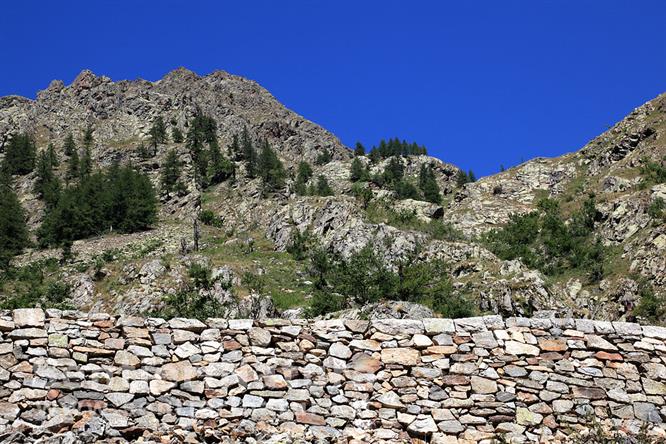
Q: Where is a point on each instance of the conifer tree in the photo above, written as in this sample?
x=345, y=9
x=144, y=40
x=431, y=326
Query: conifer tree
x=73, y=166
x=88, y=137
x=270, y=168
x=249, y=154
x=302, y=177
x=13, y=230
x=358, y=172
x=69, y=147
x=85, y=168
x=47, y=185
x=359, y=149
x=323, y=188
x=52, y=156
x=428, y=184
x=170, y=174
x=219, y=167
x=234, y=149
x=158, y=132
x=119, y=199
x=20, y=155
x=177, y=135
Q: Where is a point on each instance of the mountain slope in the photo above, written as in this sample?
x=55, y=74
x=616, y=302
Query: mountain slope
x=248, y=231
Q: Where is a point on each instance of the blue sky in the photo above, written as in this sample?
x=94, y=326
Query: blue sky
x=480, y=83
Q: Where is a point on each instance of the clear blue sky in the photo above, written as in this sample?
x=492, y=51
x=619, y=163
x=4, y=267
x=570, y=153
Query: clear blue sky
x=480, y=83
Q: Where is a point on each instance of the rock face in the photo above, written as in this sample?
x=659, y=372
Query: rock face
x=96, y=377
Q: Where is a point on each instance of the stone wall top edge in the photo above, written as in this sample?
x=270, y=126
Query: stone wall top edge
x=389, y=326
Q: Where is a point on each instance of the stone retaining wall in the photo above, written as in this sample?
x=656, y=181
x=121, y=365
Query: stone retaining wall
x=96, y=377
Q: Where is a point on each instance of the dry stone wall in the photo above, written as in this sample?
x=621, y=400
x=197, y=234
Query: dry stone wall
x=74, y=377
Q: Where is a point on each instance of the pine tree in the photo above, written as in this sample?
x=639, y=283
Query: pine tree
x=428, y=184
x=158, y=133
x=270, y=168
x=394, y=171
x=85, y=167
x=170, y=174
x=13, y=230
x=470, y=176
x=47, y=185
x=249, y=154
x=88, y=137
x=69, y=147
x=324, y=158
x=177, y=135
x=358, y=171
x=359, y=149
x=73, y=166
x=119, y=199
x=219, y=167
x=302, y=177
x=20, y=155
x=52, y=156
x=234, y=149
x=323, y=188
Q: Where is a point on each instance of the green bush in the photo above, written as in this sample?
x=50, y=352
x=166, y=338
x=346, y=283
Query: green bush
x=254, y=282
x=364, y=278
x=208, y=217
x=653, y=172
x=324, y=302
x=656, y=208
x=300, y=244
x=193, y=300
x=362, y=193
x=34, y=285
x=651, y=306
x=544, y=240
x=200, y=276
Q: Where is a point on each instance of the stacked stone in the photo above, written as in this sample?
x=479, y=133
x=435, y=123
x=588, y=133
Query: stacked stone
x=98, y=377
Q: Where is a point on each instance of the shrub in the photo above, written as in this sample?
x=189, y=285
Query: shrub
x=405, y=190
x=364, y=278
x=299, y=245
x=544, y=240
x=650, y=305
x=323, y=188
x=324, y=158
x=362, y=193
x=324, y=302
x=254, y=282
x=656, y=208
x=208, y=217
x=653, y=172
x=200, y=276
